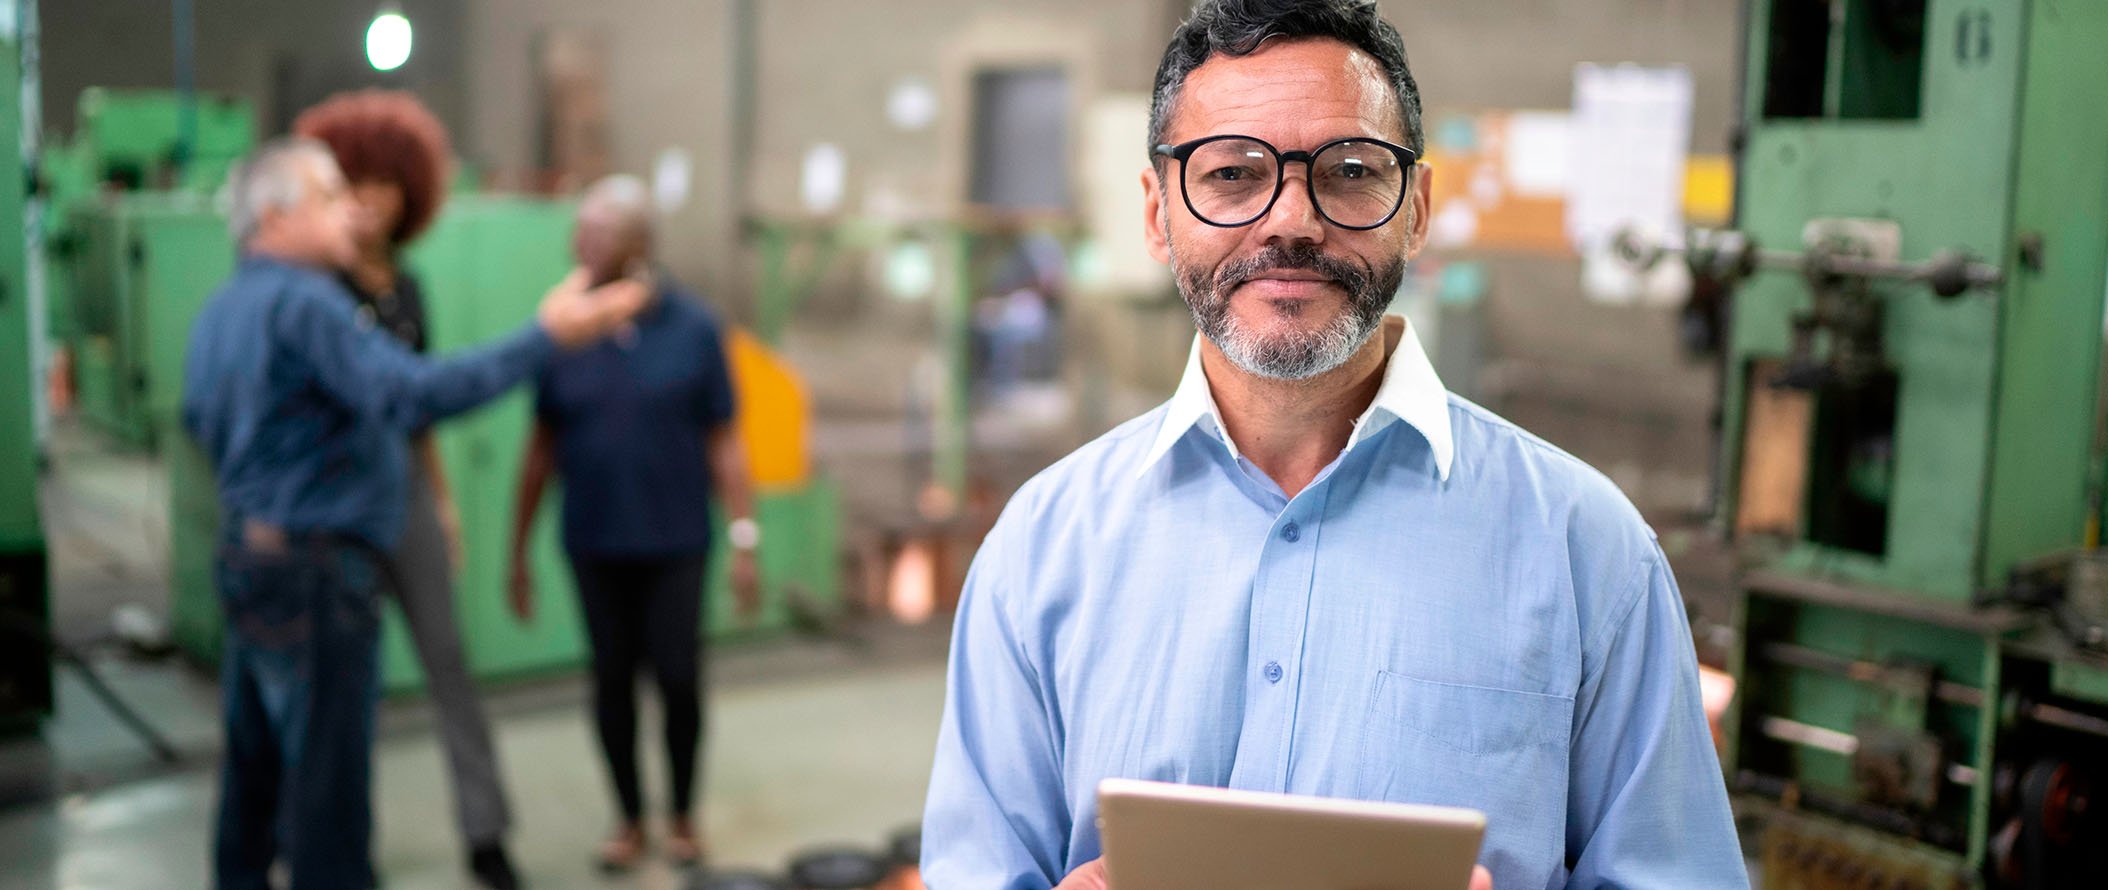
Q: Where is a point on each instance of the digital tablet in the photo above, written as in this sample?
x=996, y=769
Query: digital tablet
x=1160, y=836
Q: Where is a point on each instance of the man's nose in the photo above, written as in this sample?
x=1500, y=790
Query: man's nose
x=1293, y=218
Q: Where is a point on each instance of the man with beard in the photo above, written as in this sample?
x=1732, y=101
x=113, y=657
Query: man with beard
x=1314, y=570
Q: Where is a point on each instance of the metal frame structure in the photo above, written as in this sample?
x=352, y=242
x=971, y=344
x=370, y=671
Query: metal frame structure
x=1911, y=442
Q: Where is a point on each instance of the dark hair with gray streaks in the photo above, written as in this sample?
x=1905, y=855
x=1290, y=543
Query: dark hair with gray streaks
x=1240, y=27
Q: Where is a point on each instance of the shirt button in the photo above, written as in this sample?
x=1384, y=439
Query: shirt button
x=1291, y=533
x=1273, y=672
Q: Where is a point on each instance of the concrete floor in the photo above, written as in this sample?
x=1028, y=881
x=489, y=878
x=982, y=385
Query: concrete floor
x=827, y=757
x=811, y=743
x=105, y=512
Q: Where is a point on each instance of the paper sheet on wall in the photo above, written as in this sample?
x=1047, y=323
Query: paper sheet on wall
x=1115, y=127
x=1631, y=136
x=1537, y=153
x=1631, y=132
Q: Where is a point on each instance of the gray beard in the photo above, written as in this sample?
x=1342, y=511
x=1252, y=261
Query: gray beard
x=1291, y=355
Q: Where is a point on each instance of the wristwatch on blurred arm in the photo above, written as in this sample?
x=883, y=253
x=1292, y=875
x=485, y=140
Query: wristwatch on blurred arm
x=744, y=533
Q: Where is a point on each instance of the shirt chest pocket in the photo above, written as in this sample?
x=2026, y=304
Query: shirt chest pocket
x=1465, y=719
x=1499, y=751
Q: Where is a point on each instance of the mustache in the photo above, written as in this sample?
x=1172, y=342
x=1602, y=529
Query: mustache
x=1302, y=257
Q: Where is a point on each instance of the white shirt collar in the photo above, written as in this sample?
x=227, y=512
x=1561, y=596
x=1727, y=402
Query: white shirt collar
x=1410, y=392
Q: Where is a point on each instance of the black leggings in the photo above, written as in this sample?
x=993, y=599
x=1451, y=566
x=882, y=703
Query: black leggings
x=637, y=609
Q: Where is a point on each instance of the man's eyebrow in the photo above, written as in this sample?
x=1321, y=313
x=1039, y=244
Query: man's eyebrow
x=1248, y=134
x=1342, y=137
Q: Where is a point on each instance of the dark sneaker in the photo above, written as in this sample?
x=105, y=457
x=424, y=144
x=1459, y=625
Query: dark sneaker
x=492, y=868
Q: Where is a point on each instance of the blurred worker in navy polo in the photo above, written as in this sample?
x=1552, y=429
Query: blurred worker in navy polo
x=304, y=410
x=640, y=428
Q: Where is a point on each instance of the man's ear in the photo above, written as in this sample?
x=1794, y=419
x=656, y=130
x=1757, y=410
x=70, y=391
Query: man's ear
x=1419, y=201
x=1154, y=216
x=267, y=218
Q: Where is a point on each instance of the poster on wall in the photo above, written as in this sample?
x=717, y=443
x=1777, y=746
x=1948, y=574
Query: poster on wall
x=1631, y=129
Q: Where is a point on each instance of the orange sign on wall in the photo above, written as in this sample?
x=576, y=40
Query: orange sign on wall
x=1499, y=182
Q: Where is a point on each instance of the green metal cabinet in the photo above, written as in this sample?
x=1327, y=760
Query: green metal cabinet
x=129, y=228
x=141, y=266
x=25, y=667
x=484, y=266
x=135, y=137
x=1994, y=412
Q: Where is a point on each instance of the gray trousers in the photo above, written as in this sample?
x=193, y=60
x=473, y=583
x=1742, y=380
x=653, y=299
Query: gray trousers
x=427, y=597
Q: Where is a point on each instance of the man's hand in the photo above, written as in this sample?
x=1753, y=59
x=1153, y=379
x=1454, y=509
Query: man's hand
x=521, y=590
x=574, y=315
x=1090, y=876
x=746, y=583
x=450, y=528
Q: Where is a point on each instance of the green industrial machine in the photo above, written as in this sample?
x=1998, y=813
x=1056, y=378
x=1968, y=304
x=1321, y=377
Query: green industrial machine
x=139, y=161
x=25, y=662
x=138, y=267
x=1910, y=443
x=796, y=254
x=155, y=140
x=485, y=265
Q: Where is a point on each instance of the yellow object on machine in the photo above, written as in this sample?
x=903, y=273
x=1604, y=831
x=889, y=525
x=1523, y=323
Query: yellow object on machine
x=775, y=412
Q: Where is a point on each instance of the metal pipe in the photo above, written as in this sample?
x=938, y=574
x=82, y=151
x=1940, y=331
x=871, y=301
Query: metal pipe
x=1872, y=673
x=1943, y=267
x=1808, y=735
x=1948, y=272
x=1882, y=818
x=1797, y=656
x=186, y=38
x=2051, y=715
x=744, y=87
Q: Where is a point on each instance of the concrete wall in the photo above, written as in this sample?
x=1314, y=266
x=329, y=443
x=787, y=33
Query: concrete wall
x=822, y=72
x=1522, y=53
x=279, y=55
x=668, y=86
x=811, y=94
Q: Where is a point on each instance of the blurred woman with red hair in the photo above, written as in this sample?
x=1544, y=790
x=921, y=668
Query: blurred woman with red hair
x=395, y=157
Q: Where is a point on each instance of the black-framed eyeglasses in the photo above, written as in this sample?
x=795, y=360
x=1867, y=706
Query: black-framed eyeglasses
x=1229, y=181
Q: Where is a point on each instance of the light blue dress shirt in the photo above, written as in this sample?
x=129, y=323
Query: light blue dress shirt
x=1454, y=612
